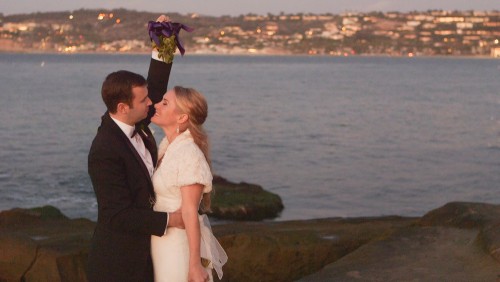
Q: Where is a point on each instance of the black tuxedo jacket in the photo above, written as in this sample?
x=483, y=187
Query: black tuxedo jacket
x=120, y=248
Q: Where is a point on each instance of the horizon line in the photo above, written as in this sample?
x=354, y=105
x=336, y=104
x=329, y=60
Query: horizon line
x=253, y=13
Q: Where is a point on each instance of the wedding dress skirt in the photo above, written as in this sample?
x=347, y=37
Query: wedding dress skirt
x=170, y=253
x=171, y=256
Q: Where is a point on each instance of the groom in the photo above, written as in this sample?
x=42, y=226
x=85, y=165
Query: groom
x=120, y=164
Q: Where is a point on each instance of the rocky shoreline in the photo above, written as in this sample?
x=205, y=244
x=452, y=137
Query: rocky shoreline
x=457, y=242
x=243, y=201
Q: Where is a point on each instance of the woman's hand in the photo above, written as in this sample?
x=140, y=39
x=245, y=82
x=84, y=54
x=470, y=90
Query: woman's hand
x=197, y=273
x=163, y=18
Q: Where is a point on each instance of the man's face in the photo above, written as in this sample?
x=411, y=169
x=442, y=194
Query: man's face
x=140, y=104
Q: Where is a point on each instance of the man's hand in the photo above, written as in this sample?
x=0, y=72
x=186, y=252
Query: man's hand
x=175, y=219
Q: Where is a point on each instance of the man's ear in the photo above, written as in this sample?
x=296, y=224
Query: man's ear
x=122, y=108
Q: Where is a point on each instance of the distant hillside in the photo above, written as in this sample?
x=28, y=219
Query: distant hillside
x=401, y=34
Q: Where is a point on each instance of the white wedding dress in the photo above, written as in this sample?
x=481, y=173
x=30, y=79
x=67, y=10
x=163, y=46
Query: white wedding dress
x=182, y=164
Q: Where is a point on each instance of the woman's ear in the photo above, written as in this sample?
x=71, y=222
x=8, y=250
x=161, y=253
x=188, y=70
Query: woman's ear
x=182, y=118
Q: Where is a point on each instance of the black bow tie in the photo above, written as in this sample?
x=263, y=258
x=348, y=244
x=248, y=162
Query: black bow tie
x=136, y=131
x=141, y=133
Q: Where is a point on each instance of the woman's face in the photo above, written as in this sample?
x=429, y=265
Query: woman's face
x=166, y=113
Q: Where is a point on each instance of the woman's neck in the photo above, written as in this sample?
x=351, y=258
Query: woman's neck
x=171, y=134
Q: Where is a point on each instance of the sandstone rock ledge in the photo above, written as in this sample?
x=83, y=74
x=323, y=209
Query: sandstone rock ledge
x=457, y=242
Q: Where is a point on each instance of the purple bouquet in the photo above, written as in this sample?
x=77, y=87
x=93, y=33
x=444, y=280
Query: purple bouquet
x=165, y=38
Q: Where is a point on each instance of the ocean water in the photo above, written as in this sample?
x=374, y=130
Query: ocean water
x=333, y=136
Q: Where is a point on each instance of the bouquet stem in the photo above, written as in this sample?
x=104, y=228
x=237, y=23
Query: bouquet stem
x=167, y=48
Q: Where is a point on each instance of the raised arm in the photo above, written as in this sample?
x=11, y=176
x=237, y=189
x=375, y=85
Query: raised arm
x=158, y=76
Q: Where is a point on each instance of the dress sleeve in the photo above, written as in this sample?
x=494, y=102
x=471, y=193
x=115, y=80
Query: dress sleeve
x=194, y=169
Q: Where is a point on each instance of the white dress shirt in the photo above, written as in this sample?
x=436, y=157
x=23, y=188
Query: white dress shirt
x=138, y=144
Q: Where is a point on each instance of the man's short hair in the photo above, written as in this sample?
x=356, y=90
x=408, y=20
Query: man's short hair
x=117, y=88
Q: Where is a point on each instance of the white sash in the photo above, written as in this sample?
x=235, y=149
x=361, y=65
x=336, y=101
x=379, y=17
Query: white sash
x=210, y=248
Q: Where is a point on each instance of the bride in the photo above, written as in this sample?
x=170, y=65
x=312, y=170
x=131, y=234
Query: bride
x=183, y=179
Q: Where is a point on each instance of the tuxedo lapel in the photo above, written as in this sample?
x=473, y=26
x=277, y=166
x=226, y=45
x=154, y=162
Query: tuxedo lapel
x=149, y=141
x=109, y=123
x=139, y=159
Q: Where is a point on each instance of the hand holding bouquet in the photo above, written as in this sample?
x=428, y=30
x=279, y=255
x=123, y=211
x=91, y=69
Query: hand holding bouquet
x=165, y=37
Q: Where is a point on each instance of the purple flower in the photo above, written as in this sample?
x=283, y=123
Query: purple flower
x=167, y=29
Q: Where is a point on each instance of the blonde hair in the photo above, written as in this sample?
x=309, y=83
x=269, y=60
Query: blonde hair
x=191, y=102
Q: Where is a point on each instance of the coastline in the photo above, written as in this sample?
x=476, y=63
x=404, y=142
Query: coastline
x=244, y=54
x=459, y=241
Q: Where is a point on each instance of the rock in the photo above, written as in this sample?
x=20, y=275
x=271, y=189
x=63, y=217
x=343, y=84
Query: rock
x=485, y=217
x=287, y=251
x=457, y=242
x=489, y=237
x=56, y=248
x=415, y=254
x=42, y=244
x=21, y=217
x=462, y=215
x=18, y=254
x=243, y=201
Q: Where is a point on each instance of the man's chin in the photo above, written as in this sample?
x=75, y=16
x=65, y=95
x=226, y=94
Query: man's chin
x=141, y=118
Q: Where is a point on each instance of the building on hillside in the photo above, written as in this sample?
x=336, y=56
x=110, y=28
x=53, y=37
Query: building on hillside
x=495, y=52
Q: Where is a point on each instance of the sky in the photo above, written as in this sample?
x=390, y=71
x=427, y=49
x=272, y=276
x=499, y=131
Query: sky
x=238, y=7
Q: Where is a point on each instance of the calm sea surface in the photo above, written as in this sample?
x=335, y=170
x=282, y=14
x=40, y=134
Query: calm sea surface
x=357, y=136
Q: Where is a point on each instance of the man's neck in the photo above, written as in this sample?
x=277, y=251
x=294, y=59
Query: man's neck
x=122, y=119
